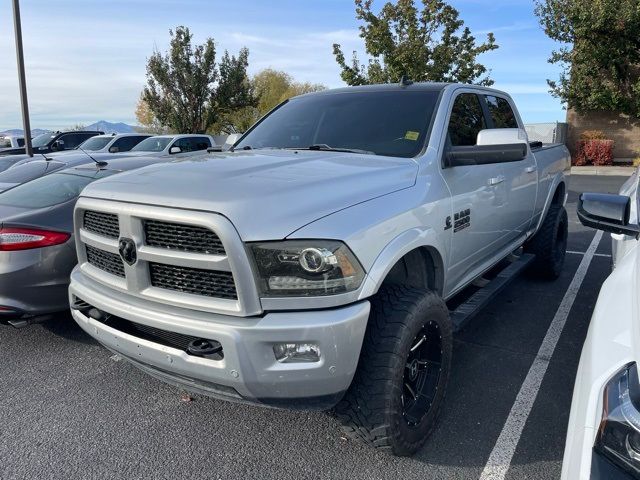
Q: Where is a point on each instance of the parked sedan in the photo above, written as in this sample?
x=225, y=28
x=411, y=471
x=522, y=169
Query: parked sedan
x=37, y=247
x=603, y=438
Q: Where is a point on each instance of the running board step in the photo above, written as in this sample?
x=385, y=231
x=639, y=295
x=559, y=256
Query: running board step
x=476, y=302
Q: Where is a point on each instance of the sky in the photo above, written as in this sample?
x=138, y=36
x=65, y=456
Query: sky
x=85, y=59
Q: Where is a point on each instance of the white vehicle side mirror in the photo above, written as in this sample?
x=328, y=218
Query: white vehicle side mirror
x=174, y=150
x=502, y=136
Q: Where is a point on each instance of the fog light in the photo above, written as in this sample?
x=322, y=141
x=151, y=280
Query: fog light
x=296, y=352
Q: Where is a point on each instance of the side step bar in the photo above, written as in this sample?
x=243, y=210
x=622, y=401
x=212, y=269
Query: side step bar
x=476, y=302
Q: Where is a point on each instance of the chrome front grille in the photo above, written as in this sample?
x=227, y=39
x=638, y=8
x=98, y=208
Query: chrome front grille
x=189, y=259
x=195, y=281
x=102, y=223
x=185, y=238
x=109, y=262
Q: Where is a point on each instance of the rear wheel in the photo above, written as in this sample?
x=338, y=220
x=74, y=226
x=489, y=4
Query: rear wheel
x=549, y=244
x=400, y=384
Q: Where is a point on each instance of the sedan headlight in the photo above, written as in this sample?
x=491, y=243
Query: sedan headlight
x=306, y=268
x=618, y=437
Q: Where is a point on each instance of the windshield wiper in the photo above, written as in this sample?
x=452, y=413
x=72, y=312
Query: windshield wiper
x=326, y=148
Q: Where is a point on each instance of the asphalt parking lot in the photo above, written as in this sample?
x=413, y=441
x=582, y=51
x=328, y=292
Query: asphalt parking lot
x=69, y=410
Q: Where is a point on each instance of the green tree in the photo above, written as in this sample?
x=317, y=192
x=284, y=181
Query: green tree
x=188, y=91
x=271, y=87
x=426, y=45
x=600, y=57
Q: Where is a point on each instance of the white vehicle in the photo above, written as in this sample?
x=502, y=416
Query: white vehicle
x=184, y=145
x=253, y=275
x=603, y=439
x=8, y=142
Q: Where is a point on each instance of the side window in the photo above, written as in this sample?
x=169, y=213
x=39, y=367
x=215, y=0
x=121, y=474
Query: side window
x=501, y=112
x=125, y=144
x=183, y=143
x=200, y=143
x=21, y=142
x=466, y=120
x=72, y=140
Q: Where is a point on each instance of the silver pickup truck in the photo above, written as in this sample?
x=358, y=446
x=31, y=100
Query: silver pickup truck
x=309, y=267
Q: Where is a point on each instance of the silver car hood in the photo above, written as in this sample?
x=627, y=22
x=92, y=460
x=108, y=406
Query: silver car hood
x=266, y=194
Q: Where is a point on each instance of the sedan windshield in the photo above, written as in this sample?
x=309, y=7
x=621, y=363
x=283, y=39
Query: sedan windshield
x=50, y=190
x=95, y=143
x=153, y=144
x=42, y=140
x=392, y=123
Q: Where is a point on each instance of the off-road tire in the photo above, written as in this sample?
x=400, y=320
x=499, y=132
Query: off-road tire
x=371, y=411
x=549, y=244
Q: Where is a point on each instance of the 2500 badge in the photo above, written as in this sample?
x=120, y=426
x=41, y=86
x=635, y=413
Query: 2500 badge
x=461, y=220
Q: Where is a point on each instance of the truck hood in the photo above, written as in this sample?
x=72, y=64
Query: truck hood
x=266, y=194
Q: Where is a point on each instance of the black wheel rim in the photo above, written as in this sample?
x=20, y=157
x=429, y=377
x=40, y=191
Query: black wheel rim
x=422, y=374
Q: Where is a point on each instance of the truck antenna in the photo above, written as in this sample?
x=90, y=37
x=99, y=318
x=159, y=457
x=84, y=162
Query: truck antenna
x=405, y=82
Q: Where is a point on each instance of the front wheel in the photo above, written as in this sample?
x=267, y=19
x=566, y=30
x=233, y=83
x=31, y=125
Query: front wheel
x=399, y=387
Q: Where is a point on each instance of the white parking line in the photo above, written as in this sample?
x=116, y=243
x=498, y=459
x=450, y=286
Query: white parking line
x=502, y=453
x=595, y=254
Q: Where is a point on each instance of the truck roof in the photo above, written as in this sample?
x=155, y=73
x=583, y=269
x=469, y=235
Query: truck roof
x=417, y=86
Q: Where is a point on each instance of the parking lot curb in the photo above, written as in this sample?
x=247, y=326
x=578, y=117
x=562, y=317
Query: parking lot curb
x=607, y=171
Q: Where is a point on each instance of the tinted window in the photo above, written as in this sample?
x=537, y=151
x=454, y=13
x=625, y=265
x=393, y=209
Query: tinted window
x=466, y=120
x=199, y=143
x=95, y=143
x=183, y=143
x=501, y=112
x=72, y=140
x=393, y=123
x=21, y=142
x=125, y=144
x=152, y=144
x=49, y=190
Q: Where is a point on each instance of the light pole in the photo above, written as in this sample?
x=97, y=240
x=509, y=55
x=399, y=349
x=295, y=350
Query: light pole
x=22, y=79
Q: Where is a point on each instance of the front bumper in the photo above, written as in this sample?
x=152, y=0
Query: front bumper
x=249, y=371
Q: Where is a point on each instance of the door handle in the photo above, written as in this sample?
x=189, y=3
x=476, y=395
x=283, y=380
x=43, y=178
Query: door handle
x=496, y=180
x=531, y=169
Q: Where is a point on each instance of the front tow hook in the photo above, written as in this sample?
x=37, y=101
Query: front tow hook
x=201, y=347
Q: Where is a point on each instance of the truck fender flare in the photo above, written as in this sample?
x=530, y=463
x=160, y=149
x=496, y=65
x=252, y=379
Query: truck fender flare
x=557, y=180
x=396, y=249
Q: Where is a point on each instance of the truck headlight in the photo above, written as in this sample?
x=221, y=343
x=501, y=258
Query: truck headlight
x=306, y=268
x=618, y=437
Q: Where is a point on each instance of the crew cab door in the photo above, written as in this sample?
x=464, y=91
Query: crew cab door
x=521, y=177
x=478, y=194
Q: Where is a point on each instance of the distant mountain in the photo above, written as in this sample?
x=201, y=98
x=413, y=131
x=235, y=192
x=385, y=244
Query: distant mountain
x=109, y=127
x=102, y=125
x=18, y=131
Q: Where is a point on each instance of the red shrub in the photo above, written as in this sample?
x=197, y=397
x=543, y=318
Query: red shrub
x=594, y=152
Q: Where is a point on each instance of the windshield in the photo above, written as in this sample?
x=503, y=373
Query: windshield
x=50, y=189
x=95, y=143
x=42, y=140
x=153, y=144
x=5, y=142
x=392, y=123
